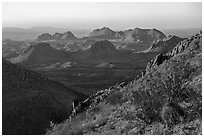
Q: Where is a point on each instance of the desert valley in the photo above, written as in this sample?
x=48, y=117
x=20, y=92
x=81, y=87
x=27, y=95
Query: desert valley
x=103, y=81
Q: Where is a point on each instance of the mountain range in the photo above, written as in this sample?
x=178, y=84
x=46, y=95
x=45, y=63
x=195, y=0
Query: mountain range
x=102, y=51
x=130, y=35
x=57, y=36
x=33, y=32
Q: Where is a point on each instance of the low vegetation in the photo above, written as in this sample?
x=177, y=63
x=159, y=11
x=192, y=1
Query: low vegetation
x=166, y=100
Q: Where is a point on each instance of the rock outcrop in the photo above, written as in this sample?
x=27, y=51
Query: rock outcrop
x=159, y=59
x=193, y=42
x=165, y=45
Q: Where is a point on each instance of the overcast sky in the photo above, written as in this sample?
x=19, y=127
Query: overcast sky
x=95, y=15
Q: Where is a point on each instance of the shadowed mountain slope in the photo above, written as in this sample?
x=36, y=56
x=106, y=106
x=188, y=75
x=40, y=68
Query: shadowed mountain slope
x=30, y=101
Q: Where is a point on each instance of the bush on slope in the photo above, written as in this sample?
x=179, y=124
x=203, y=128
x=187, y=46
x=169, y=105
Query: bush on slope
x=166, y=100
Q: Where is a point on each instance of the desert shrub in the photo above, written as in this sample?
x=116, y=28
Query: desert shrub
x=167, y=100
x=156, y=128
x=167, y=83
x=115, y=98
x=95, y=110
x=190, y=128
x=172, y=114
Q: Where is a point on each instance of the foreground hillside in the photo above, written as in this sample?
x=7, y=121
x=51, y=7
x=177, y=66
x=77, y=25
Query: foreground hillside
x=166, y=100
x=30, y=101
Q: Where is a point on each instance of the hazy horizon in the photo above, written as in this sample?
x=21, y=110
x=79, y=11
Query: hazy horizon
x=115, y=15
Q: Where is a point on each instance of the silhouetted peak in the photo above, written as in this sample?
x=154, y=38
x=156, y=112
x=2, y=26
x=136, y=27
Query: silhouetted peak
x=102, y=29
x=56, y=36
x=105, y=28
x=46, y=34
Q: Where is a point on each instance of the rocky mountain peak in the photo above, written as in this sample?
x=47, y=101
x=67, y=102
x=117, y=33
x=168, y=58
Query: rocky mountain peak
x=46, y=36
x=105, y=28
x=105, y=31
x=67, y=35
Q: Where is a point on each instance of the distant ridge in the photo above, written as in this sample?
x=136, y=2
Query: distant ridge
x=142, y=35
x=41, y=53
x=104, y=32
x=57, y=36
x=130, y=35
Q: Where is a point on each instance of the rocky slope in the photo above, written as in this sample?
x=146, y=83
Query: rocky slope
x=39, y=54
x=30, y=101
x=57, y=36
x=165, y=100
x=164, y=45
